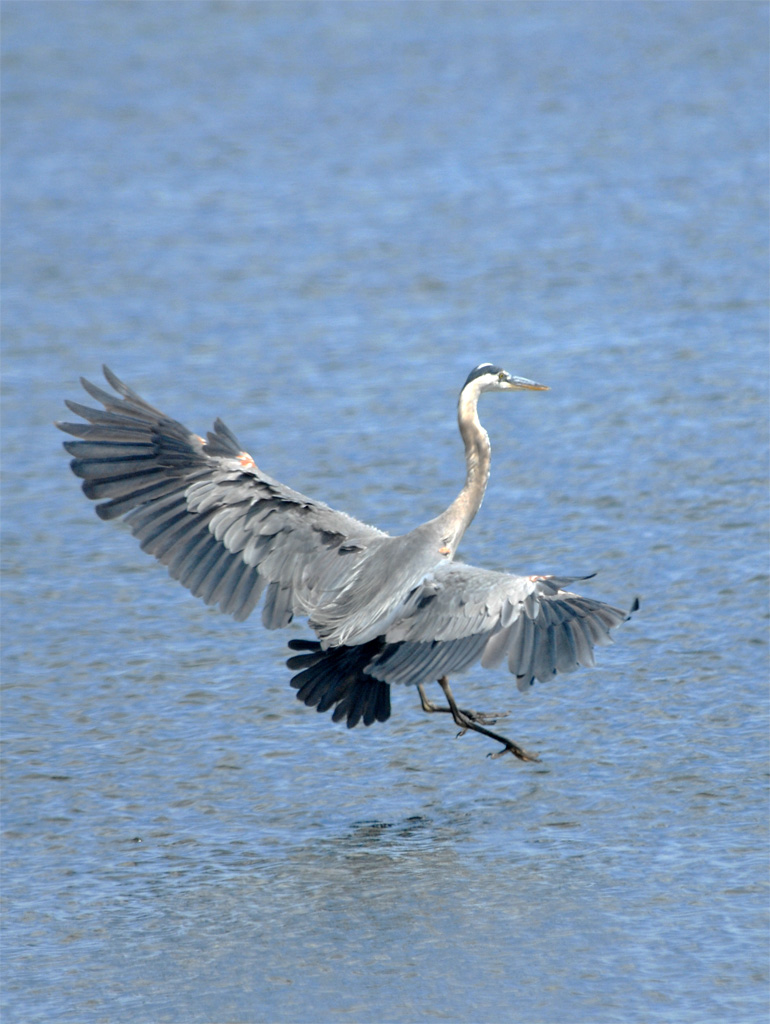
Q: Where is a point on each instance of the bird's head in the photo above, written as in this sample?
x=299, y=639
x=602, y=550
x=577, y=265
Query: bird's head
x=487, y=377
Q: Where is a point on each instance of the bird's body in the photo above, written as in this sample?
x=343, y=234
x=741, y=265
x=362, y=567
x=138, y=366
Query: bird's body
x=385, y=609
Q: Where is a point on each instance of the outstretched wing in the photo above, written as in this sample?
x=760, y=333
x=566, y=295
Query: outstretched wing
x=464, y=614
x=204, y=509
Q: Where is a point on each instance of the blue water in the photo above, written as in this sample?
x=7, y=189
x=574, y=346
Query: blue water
x=313, y=220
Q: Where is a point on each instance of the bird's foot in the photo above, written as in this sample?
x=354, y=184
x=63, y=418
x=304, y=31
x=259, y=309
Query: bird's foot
x=509, y=746
x=482, y=717
x=466, y=722
x=514, y=749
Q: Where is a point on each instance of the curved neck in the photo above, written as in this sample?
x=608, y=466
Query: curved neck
x=460, y=513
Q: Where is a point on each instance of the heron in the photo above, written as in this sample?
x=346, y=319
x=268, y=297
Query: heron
x=385, y=610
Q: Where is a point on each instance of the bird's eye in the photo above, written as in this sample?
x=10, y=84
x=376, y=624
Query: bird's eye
x=501, y=375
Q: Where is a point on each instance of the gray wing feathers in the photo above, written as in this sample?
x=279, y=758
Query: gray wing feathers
x=424, y=662
x=222, y=527
x=229, y=532
x=463, y=613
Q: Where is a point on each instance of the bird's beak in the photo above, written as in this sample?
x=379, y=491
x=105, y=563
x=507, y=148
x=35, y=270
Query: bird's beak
x=522, y=384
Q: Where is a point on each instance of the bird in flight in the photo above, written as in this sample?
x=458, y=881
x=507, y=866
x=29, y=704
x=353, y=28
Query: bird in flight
x=385, y=610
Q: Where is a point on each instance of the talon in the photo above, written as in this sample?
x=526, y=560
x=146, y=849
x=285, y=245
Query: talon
x=475, y=720
x=522, y=755
x=485, y=717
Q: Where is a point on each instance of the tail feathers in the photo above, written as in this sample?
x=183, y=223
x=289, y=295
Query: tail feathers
x=336, y=678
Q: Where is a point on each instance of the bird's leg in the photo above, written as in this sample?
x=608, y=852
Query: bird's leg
x=474, y=716
x=466, y=722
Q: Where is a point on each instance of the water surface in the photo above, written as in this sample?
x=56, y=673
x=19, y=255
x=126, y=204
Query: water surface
x=313, y=220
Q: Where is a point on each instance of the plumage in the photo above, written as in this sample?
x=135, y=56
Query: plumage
x=386, y=610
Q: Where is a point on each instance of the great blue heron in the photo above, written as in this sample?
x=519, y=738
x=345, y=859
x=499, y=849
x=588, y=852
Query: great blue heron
x=385, y=609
